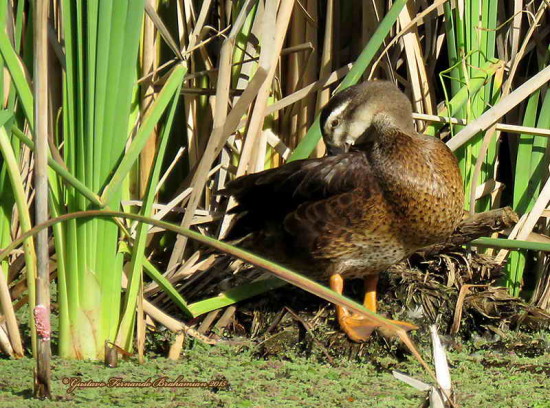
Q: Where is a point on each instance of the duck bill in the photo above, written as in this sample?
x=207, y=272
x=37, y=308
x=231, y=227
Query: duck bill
x=334, y=150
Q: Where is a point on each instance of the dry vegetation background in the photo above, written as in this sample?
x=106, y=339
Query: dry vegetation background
x=153, y=106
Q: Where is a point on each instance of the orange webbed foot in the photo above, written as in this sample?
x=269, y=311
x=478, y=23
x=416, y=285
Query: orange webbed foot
x=359, y=328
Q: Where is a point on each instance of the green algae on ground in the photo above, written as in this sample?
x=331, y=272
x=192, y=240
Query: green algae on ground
x=482, y=380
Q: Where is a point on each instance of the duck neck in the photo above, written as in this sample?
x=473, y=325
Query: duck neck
x=388, y=121
x=387, y=138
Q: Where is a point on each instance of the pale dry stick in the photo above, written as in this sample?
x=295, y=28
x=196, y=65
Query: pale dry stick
x=174, y=325
x=5, y=344
x=534, y=215
x=203, y=14
x=257, y=117
x=190, y=108
x=247, y=70
x=415, y=64
x=191, y=105
x=174, y=60
x=503, y=127
x=323, y=95
x=161, y=28
x=326, y=57
x=182, y=22
x=148, y=94
x=189, y=262
x=506, y=104
x=308, y=110
x=232, y=122
x=272, y=139
x=305, y=12
x=222, y=100
x=176, y=347
x=186, y=271
x=164, y=208
x=413, y=22
x=295, y=65
x=410, y=60
x=156, y=71
x=177, y=157
x=520, y=54
x=371, y=18
x=515, y=28
x=259, y=152
x=208, y=320
x=302, y=93
x=503, y=253
x=156, y=206
x=489, y=187
x=173, y=203
x=209, y=39
x=9, y=314
x=486, y=142
x=276, y=143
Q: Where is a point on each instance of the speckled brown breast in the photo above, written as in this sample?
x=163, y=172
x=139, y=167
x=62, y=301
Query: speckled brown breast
x=355, y=213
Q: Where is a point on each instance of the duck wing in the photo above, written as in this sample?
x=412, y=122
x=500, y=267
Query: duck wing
x=318, y=202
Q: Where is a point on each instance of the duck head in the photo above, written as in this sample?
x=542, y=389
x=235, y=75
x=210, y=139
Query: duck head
x=361, y=113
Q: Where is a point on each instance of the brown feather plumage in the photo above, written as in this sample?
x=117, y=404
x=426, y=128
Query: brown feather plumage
x=355, y=213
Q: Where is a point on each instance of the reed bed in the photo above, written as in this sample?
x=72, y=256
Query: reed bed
x=154, y=105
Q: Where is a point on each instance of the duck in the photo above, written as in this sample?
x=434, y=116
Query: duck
x=382, y=192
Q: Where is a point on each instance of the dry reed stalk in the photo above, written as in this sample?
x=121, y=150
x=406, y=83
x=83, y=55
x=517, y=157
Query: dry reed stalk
x=5, y=344
x=307, y=106
x=191, y=104
x=503, y=127
x=405, y=29
x=506, y=104
x=217, y=137
x=271, y=56
x=173, y=324
x=176, y=347
x=416, y=67
x=323, y=95
x=258, y=113
x=149, y=65
x=10, y=319
x=303, y=92
x=533, y=216
x=296, y=34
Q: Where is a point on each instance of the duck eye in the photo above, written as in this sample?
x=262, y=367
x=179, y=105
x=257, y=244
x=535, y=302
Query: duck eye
x=334, y=123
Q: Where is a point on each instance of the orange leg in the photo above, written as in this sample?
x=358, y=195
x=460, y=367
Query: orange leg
x=359, y=327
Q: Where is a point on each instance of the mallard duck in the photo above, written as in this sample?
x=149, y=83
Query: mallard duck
x=383, y=192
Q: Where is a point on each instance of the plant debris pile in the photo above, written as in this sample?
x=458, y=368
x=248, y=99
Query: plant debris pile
x=458, y=289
